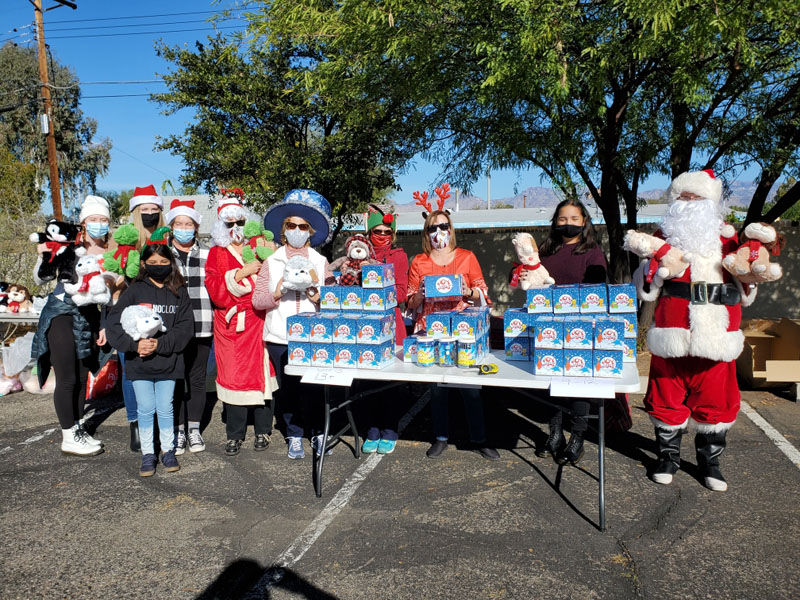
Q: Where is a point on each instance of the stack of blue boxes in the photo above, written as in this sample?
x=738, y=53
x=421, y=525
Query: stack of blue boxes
x=355, y=328
x=452, y=324
x=576, y=330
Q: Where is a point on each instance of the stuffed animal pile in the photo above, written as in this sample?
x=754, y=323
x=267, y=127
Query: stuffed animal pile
x=529, y=272
x=90, y=287
x=60, y=238
x=125, y=259
x=358, y=252
x=141, y=322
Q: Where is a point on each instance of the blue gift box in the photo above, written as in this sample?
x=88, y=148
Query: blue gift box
x=345, y=328
x=437, y=324
x=548, y=362
x=375, y=357
x=466, y=323
x=321, y=327
x=515, y=323
x=351, y=297
x=578, y=363
x=330, y=297
x=345, y=356
x=621, y=298
x=593, y=297
x=548, y=332
x=631, y=325
x=299, y=354
x=379, y=299
x=578, y=332
x=443, y=287
x=374, y=329
x=607, y=363
x=517, y=348
x=539, y=300
x=377, y=276
x=410, y=349
x=609, y=333
x=322, y=355
x=482, y=346
x=566, y=299
x=298, y=327
x=628, y=350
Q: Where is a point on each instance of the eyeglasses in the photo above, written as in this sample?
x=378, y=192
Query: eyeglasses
x=382, y=231
x=240, y=223
x=300, y=226
x=440, y=226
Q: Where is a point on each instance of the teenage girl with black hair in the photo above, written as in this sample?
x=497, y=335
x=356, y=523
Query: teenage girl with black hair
x=571, y=254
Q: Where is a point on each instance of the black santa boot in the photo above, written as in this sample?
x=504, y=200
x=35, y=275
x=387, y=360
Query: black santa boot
x=709, y=447
x=669, y=454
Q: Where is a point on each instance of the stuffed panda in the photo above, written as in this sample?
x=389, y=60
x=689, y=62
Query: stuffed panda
x=60, y=238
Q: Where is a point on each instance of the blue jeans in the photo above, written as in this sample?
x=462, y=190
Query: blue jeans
x=155, y=397
x=473, y=404
x=128, y=395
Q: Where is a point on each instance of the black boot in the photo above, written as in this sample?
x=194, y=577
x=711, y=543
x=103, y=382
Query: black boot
x=709, y=447
x=136, y=443
x=555, y=442
x=574, y=451
x=669, y=454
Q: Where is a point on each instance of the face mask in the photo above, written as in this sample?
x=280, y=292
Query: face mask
x=158, y=272
x=237, y=234
x=97, y=230
x=380, y=240
x=184, y=236
x=569, y=231
x=440, y=239
x=150, y=220
x=296, y=238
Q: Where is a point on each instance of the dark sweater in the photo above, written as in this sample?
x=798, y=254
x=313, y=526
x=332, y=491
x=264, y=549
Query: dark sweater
x=567, y=267
x=176, y=312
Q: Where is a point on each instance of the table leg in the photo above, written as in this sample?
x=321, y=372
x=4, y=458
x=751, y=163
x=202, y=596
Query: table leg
x=601, y=459
x=352, y=422
x=321, y=458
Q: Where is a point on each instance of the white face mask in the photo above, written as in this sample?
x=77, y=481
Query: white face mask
x=440, y=239
x=237, y=234
x=296, y=238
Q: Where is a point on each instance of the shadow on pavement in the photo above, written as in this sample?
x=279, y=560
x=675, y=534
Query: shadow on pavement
x=248, y=579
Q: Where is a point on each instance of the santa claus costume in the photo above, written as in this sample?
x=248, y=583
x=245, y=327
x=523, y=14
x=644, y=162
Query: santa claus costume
x=245, y=376
x=695, y=336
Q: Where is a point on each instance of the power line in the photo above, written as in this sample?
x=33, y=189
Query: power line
x=116, y=96
x=139, y=24
x=180, y=14
x=118, y=149
x=99, y=35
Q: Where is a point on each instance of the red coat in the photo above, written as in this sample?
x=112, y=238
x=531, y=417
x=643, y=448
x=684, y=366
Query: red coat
x=399, y=258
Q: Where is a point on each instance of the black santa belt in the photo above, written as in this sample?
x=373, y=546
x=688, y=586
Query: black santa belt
x=700, y=292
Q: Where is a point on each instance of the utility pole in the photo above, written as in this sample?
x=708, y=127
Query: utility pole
x=457, y=194
x=524, y=200
x=488, y=189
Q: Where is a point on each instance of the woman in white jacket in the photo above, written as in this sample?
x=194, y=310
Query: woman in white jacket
x=303, y=219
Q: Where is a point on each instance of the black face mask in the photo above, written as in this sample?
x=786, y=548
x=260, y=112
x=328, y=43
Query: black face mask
x=158, y=272
x=150, y=220
x=568, y=231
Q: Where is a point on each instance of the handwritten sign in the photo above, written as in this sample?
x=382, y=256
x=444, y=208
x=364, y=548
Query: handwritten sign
x=581, y=387
x=340, y=377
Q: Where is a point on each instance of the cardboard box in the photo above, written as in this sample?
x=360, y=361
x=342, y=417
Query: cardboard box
x=375, y=357
x=438, y=324
x=299, y=354
x=608, y=363
x=351, y=298
x=517, y=348
x=410, y=349
x=578, y=363
x=345, y=328
x=629, y=351
x=566, y=299
x=548, y=362
x=374, y=329
x=321, y=328
x=548, y=333
x=771, y=353
x=443, y=287
x=631, y=325
x=466, y=323
x=377, y=276
x=593, y=298
x=515, y=323
x=621, y=298
x=298, y=327
x=344, y=356
x=609, y=333
x=322, y=355
x=330, y=297
x=578, y=332
x=381, y=299
x=539, y=300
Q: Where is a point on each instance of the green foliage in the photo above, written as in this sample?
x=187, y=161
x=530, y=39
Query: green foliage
x=118, y=203
x=18, y=193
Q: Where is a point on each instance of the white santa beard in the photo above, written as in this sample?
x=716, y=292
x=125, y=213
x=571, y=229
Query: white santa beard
x=694, y=226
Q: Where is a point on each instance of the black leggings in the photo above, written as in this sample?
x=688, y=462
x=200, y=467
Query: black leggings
x=193, y=402
x=70, y=393
x=579, y=408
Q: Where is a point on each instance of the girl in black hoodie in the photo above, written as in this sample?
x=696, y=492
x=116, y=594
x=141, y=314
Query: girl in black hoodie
x=154, y=364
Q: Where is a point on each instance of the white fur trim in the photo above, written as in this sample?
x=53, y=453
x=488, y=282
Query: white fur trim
x=638, y=281
x=668, y=342
x=696, y=182
x=139, y=200
x=709, y=427
x=94, y=206
x=727, y=231
x=240, y=288
x=675, y=342
x=186, y=211
x=658, y=424
x=748, y=293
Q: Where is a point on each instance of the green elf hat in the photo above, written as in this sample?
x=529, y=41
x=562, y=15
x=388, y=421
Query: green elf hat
x=376, y=216
x=159, y=237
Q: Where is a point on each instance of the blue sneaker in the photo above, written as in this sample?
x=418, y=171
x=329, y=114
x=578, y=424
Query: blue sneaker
x=170, y=462
x=296, y=449
x=148, y=467
x=386, y=446
x=316, y=444
x=369, y=446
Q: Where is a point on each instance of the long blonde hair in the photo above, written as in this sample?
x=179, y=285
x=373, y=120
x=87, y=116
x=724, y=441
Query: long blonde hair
x=426, y=240
x=136, y=220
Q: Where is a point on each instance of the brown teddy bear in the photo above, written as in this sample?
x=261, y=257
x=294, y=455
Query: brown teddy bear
x=666, y=262
x=751, y=261
x=19, y=300
x=358, y=251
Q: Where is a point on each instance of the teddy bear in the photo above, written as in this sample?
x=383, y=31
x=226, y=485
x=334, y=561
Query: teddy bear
x=259, y=244
x=90, y=287
x=751, y=261
x=125, y=259
x=19, y=300
x=358, y=252
x=666, y=262
x=141, y=322
x=58, y=260
x=299, y=275
x=529, y=272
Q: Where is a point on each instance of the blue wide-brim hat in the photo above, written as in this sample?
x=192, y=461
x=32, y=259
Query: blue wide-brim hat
x=306, y=204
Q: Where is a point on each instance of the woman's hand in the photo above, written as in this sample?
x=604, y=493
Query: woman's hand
x=101, y=338
x=416, y=299
x=276, y=295
x=249, y=269
x=313, y=294
x=473, y=294
x=146, y=347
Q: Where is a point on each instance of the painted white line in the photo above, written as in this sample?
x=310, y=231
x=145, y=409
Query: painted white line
x=781, y=442
x=6, y=449
x=38, y=436
x=311, y=533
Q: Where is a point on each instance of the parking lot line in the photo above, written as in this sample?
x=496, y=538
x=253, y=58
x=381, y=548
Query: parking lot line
x=773, y=434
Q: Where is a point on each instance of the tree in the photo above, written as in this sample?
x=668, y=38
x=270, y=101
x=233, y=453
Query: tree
x=81, y=159
x=793, y=212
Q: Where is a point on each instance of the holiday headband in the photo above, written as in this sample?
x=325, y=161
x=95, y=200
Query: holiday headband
x=159, y=237
x=443, y=194
x=230, y=197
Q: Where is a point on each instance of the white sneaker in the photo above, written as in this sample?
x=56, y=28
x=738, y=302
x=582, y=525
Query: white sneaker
x=716, y=485
x=180, y=442
x=196, y=443
x=74, y=442
x=662, y=478
x=92, y=441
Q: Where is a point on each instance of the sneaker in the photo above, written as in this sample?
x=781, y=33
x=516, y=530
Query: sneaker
x=180, y=442
x=232, y=447
x=261, y=442
x=316, y=444
x=436, y=449
x=369, y=446
x=89, y=439
x=196, y=443
x=386, y=446
x=296, y=450
x=148, y=467
x=170, y=462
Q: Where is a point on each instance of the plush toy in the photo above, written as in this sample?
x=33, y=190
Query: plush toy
x=19, y=300
x=751, y=261
x=259, y=243
x=666, y=262
x=9, y=384
x=4, y=285
x=141, y=322
x=529, y=272
x=59, y=259
x=125, y=259
x=299, y=275
x=91, y=285
x=358, y=251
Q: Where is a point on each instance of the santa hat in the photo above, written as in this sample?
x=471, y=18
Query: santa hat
x=230, y=205
x=145, y=195
x=702, y=183
x=94, y=206
x=159, y=237
x=183, y=207
x=376, y=216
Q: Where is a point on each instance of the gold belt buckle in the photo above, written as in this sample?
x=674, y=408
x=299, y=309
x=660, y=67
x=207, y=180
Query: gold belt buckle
x=698, y=292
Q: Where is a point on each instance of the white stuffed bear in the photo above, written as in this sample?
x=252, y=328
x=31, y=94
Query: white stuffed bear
x=91, y=287
x=141, y=322
x=299, y=275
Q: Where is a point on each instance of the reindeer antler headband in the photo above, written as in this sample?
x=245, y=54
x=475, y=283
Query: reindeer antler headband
x=442, y=193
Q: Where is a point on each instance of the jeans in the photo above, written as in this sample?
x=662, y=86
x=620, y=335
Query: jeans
x=299, y=404
x=473, y=404
x=128, y=394
x=155, y=397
